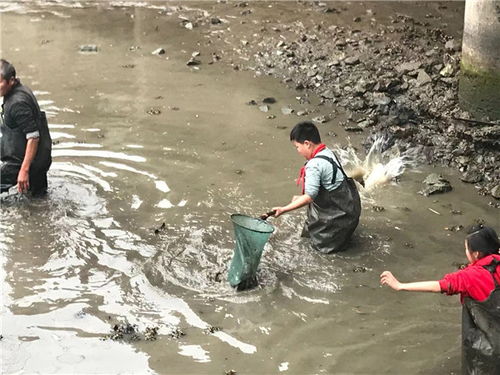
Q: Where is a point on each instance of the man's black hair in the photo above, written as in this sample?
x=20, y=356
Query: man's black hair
x=7, y=70
x=305, y=131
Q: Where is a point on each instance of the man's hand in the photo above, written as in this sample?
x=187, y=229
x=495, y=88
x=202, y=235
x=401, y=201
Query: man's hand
x=23, y=181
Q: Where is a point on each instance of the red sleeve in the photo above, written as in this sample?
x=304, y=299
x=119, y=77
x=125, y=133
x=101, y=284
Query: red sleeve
x=454, y=283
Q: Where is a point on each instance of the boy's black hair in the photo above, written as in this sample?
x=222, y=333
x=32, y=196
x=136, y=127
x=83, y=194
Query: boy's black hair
x=7, y=70
x=305, y=131
x=485, y=240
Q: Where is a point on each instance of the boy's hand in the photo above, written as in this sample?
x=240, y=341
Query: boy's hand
x=387, y=278
x=278, y=211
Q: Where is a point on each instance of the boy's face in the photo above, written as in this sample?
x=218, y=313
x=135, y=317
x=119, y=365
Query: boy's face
x=305, y=149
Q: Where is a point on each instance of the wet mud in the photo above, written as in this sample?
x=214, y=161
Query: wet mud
x=152, y=155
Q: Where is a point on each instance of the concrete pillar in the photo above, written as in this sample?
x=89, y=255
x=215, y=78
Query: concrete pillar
x=479, y=89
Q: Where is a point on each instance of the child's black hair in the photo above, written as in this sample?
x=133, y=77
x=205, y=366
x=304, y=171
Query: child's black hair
x=485, y=240
x=305, y=131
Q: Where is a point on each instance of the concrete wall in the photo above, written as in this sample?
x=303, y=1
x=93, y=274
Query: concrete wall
x=480, y=80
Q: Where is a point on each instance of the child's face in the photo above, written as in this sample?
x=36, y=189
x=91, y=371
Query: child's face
x=305, y=149
x=471, y=256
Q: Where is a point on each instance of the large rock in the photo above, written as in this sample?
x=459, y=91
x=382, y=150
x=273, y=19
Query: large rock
x=495, y=192
x=435, y=184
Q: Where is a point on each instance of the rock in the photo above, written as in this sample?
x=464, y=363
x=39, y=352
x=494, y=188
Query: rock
x=271, y=117
x=269, y=100
x=353, y=60
x=321, y=119
x=196, y=54
x=423, y=78
x=447, y=71
x=215, y=21
x=252, y=102
x=495, y=192
x=353, y=129
x=471, y=177
x=451, y=45
x=189, y=25
x=302, y=113
x=435, y=184
x=287, y=111
x=356, y=104
x=88, y=48
x=408, y=67
x=264, y=108
x=158, y=51
x=193, y=62
x=380, y=98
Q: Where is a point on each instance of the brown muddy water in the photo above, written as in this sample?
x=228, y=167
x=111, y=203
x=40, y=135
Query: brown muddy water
x=142, y=140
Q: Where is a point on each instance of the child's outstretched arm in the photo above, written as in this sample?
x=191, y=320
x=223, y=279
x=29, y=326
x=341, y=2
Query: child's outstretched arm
x=387, y=278
x=297, y=202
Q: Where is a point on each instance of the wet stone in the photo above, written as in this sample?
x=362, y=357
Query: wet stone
x=89, y=48
x=286, y=111
x=408, y=67
x=454, y=228
x=215, y=21
x=193, y=62
x=321, y=119
x=495, y=192
x=158, y=51
x=423, y=78
x=435, y=184
x=264, y=108
x=269, y=100
x=472, y=177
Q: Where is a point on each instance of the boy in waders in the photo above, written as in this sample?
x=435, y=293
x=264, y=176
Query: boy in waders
x=479, y=287
x=332, y=197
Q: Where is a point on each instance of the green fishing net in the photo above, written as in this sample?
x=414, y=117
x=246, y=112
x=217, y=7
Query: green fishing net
x=251, y=236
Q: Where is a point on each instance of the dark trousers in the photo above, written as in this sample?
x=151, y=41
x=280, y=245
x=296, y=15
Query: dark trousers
x=8, y=178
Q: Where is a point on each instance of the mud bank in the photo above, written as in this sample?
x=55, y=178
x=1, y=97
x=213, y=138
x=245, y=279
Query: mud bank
x=390, y=68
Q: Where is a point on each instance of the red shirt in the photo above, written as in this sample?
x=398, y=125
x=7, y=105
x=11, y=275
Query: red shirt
x=473, y=281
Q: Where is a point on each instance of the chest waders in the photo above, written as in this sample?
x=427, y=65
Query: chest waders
x=333, y=215
x=481, y=332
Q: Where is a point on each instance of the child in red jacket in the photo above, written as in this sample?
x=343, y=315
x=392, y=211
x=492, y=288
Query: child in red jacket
x=479, y=287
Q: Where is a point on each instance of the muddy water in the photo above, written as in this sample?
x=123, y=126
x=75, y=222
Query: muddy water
x=142, y=140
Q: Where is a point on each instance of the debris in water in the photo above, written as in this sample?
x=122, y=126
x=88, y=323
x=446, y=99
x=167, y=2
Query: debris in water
x=434, y=211
x=161, y=228
x=151, y=333
x=211, y=329
x=153, y=111
x=454, y=228
x=176, y=333
x=359, y=269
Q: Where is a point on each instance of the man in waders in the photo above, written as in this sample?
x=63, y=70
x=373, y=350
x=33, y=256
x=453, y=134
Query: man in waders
x=332, y=197
x=479, y=287
x=25, y=147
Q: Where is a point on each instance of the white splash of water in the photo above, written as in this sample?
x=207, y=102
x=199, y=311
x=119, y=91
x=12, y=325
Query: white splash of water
x=380, y=166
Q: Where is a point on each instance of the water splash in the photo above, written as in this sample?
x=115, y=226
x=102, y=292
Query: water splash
x=381, y=165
